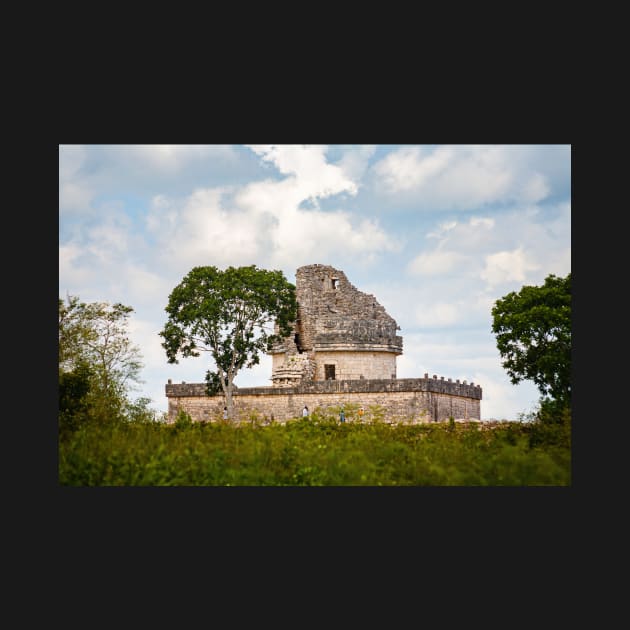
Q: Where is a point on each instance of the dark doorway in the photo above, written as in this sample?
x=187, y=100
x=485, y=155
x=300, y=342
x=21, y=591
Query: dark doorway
x=329, y=372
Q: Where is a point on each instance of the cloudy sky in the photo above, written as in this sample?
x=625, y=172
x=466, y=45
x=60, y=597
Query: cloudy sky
x=436, y=232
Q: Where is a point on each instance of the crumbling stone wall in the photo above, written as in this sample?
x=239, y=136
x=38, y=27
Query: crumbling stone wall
x=339, y=324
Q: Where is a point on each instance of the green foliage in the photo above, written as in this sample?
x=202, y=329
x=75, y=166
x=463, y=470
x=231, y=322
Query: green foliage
x=74, y=389
x=375, y=413
x=139, y=411
x=75, y=334
x=96, y=334
x=97, y=362
x=229, y=314
x=304, y=452
x=552, y=426
x=213, y=383
x=183, y=419
x=533, y=332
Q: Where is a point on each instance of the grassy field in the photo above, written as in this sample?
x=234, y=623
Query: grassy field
x=318, y=452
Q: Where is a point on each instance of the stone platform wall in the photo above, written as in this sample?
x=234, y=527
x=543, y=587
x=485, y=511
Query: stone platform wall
x=413, y=400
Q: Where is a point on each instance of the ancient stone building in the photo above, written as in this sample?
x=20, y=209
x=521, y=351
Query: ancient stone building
x=342, y=352
x=340, y=334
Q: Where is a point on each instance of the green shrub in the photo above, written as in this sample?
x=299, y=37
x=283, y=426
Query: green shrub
x=183, y=420
x=315, y=451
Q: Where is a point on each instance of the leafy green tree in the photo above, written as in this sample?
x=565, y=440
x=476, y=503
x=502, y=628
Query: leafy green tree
x=95, y=348
x=139, y=411
x=533, y=333
x=230, y=314
x=74, y=397
x=74, y=333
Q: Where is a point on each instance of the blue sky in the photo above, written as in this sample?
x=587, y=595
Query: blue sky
x=436, y=232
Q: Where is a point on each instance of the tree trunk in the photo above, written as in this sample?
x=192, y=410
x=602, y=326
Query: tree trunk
x=229, y=402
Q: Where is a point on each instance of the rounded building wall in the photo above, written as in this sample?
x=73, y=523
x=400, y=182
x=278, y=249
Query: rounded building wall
x=355, y=365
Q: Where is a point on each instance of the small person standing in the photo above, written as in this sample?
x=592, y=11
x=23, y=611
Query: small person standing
x=225, y=413
x=305, y=412
x=342, y=415
x=361, y=412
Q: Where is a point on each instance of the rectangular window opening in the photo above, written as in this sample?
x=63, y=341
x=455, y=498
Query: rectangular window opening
x=329, y=372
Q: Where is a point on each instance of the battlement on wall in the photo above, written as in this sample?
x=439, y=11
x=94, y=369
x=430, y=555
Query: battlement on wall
x=435, y=384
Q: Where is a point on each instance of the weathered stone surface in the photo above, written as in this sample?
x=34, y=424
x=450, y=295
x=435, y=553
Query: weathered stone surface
x=281, y=404
x=338, y=326
x=434, y=385
x=408, y=399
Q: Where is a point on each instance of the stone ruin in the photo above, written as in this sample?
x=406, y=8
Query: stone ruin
x=341, y=352
x=341, y=333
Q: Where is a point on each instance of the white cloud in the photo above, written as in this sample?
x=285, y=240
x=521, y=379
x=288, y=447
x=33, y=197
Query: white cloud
x=520, y=246
x=437, y=314
x=479, y=176
x=314, y=177
x=110, y=239
x=174, y=157
x=483, y=222
x=501, y=400
x=354, y=162
x=443, y=301
x=75, y=193
x=435, y=263
x=262, y=222
x=97, y=256
x=71, y=272
x=462, y=177
x=199, y=230
x=264, y=225
x=442, y=229
x=296, y=235
x=147, y=287
x=456, y=250
x=274, y=197
x=560, y=227
x=75, y=197
x=410, y=168
x=305, y=236
x=87, y=172
x=71, y=159
x=145, y=334
x=535, y=189
x=507, y=266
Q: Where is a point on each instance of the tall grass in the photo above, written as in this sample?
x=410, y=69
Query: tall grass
x=313, y=452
